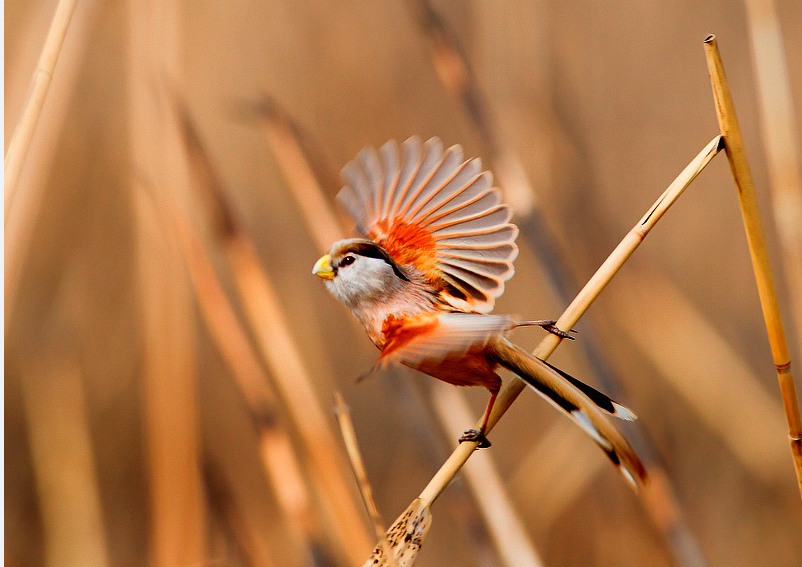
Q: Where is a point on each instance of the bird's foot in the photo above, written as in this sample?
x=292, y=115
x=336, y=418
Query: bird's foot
x=473, y=435
x=550, y=325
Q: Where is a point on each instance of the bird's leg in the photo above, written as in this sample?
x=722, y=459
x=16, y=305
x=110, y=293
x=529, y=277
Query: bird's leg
x=550, y=325
x=479, y=434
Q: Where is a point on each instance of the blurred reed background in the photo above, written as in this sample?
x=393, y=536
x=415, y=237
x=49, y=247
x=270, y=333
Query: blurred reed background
x=170, y=360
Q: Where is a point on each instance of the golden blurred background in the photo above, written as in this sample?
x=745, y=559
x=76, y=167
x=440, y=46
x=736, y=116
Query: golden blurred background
x=170, y=361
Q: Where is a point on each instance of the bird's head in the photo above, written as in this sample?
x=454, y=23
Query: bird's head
x=359, y=272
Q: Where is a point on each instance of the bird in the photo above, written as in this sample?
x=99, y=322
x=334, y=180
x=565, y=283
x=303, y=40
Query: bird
x=432, y=251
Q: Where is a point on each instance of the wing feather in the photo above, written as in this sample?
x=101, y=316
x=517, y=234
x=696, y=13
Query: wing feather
x=432, y=210
x=443, y=335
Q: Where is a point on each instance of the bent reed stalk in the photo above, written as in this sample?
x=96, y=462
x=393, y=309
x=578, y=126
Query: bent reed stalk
x=576, y=309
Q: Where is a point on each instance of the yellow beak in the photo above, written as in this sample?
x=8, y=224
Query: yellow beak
x=323, y=268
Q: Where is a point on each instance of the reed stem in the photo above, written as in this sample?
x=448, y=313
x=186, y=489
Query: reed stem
x=576, y=309
x=40, y=84
x=747, y=197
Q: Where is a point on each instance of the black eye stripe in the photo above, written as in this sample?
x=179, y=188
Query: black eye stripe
x=372, y=250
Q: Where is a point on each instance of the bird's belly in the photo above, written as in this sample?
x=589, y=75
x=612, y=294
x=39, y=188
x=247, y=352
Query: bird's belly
x=468, y=369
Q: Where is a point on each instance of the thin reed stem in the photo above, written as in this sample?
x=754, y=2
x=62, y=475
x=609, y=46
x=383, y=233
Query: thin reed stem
x=747, y=197
x=355, y=456
x=576, y=309
x=40, y=84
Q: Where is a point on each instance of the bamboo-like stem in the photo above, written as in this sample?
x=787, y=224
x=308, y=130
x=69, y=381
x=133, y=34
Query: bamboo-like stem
x=576, y=309
x=26, y=126
x=731, y=132
x=781, y=145
x=355, y=456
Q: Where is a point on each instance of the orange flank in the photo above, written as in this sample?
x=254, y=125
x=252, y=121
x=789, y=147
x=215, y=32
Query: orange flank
x=407, y=244
x=398, y=331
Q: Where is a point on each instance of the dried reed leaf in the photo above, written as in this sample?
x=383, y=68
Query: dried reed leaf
x=548, y=481
x=697, y=362
x=22, y=219
x=167, y=317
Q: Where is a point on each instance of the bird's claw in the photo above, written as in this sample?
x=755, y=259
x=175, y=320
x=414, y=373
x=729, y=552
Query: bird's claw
x=550, y=325
x=474, y=435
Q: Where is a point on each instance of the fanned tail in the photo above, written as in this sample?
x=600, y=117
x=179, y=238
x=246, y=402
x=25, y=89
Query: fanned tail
x=585, y=406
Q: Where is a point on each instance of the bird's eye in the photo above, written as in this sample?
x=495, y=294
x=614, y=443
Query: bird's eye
x=347, y=261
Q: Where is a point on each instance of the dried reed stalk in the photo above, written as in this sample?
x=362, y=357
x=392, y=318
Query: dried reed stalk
x=731, y=132
x=22, y=220
x=405, y=536
x=780, y=143
x=276, y=346
x=63, y=462
x=575, y=310
x=355, y=456
x=167, y=320
x=26, y=126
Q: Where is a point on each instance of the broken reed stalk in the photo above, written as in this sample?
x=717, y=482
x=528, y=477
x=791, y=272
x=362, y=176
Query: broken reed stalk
x=781, y=146
x=747, y=197
x=576, y=309
x=26, y=126
x=343, y=414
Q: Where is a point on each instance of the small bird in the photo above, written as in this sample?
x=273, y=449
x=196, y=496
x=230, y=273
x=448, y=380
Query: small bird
x=435, y=247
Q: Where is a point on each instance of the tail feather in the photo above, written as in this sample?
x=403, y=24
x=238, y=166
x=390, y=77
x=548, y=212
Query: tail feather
x=602, y=400
x=586, y=406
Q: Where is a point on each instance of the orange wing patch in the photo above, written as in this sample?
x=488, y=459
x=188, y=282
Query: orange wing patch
x=407, y=244
x=398, y=331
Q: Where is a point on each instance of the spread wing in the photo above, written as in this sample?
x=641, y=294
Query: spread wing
x=432, y=210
